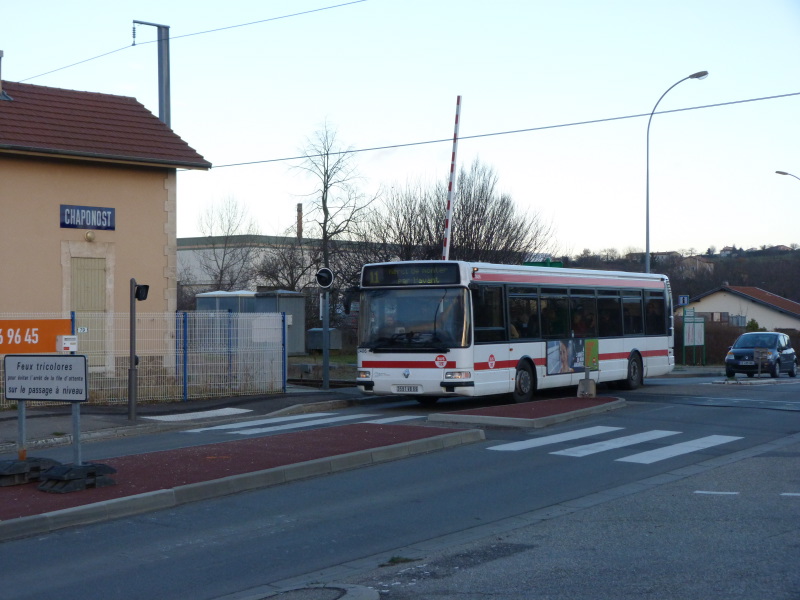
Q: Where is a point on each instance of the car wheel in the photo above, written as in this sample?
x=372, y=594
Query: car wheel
x=730, y=373
x=776, y=369
x=793, y=369
x=751, y=374
x=524, y=383
x=634, y=378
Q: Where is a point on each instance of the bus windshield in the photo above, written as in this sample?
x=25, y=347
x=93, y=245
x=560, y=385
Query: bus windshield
x=414, y=319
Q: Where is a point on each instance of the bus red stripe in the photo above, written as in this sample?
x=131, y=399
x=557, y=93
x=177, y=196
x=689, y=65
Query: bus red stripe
x=570, y=280
x=500, y=364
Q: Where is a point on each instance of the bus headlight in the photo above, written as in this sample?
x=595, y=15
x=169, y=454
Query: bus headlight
x=458, y=375
x=363, y=375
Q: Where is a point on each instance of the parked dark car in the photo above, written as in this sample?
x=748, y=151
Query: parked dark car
x=761, y=352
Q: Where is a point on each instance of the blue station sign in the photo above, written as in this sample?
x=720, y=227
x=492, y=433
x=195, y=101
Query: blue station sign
x=88, y=217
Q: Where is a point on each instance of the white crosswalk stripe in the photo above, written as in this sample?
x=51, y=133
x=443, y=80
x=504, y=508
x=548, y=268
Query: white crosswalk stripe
x=255, y=423
x=274, y=424
x=553, y=439
x=646, y=458
x=628, y=440
x=312, y=423
x=388, y=420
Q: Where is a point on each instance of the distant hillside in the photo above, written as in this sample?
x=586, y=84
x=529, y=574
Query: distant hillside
x=773, y=270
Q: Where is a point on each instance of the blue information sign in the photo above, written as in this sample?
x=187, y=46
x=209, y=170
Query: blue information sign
x=88, y=217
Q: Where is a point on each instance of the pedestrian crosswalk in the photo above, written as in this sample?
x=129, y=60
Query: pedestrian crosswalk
x=645, y=458
x=613, y=438
x=278, y=424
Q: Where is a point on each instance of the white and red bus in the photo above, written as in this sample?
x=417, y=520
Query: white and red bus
x=430, y=329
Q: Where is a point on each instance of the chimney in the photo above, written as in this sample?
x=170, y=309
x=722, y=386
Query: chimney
x=3, y=95
x=300, y=222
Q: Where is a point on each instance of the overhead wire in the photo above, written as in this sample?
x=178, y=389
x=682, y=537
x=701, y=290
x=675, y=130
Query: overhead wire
x=177, y=37
x=407, y=144
x=497, y=133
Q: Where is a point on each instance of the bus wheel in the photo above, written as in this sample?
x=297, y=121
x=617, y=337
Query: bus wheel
x=634, y=378
x=524, y=383
x=427, y=400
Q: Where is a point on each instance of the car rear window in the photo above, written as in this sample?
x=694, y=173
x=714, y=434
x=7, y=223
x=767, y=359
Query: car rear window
x=757, y=341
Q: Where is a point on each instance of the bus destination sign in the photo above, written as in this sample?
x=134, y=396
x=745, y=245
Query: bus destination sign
x=411, y=274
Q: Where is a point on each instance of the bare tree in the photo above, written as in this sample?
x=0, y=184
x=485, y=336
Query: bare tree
x=336, y=203
x=228, y=260
x=487, y=226
x=288, y=266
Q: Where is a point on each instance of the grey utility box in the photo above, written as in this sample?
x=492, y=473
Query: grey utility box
x=314, y=339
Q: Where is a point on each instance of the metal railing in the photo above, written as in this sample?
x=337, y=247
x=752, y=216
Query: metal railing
x=182, y=356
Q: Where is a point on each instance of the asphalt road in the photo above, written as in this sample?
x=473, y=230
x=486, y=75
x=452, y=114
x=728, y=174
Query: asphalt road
x=522, y=515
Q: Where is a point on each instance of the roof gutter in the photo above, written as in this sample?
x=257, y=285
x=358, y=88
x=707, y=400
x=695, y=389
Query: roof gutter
x=75, y=154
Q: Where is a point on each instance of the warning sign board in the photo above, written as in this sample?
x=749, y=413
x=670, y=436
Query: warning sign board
x=60, y=377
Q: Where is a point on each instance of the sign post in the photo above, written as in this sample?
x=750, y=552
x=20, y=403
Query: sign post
x=54, y=378
x=693, y=334
x=325, y=279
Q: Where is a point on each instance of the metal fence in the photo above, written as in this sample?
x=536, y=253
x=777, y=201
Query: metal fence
x=182, y=356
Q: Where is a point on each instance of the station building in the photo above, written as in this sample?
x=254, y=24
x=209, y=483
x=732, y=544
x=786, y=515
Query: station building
x=89, y=198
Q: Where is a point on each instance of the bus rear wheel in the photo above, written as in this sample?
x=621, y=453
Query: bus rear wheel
x=634, y=378
x=524, y=383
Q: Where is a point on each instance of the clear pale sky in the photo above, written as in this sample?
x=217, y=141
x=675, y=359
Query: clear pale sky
x=387, y=72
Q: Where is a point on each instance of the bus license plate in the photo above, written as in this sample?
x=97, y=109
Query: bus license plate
x=407, y=389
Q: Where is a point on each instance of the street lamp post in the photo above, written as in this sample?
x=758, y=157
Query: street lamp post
x=789, y=174
x=698, y=75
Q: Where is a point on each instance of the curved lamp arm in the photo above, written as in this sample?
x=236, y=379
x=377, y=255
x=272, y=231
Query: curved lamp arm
x=698, y=75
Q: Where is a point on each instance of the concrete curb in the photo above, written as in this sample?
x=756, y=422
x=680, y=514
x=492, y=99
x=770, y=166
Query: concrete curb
x=753, y=381
x=170, y=498
x=525, y=423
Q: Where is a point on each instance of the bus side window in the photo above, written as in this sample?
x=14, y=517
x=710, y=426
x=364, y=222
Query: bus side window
x=487, y=302
x=524, y=314
x=632, y=316
x=655, y=322
x=555, y=317
x=610, y=312
x=583, y=312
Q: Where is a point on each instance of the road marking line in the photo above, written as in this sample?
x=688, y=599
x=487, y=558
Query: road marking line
x=790, y=494
x=220, y=412
x=302, y=424
x=621, y=442
x=394, y=419
x=554, y=439
x=259, y=422
x=717, y=493
x=646, y=458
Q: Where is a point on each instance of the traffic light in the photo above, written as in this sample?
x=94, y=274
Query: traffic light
x=325, y=277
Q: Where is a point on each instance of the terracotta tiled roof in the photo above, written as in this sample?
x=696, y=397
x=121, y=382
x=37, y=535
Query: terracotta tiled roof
x=765, y=297
x=53, y=121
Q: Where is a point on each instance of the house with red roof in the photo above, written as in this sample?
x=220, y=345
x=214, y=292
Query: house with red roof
x=738, y=305
x=89, y=196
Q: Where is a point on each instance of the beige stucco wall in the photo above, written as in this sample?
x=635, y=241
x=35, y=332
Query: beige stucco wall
x=35, y=251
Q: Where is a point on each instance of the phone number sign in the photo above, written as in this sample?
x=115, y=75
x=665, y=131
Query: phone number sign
x=61, y=377
x=22, y=336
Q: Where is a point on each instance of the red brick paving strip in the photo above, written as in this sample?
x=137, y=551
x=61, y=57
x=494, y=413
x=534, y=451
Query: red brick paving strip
x=538, y=408
x=142, y=473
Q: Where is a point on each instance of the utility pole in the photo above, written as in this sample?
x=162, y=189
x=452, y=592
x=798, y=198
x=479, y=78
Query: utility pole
x=163, y=70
